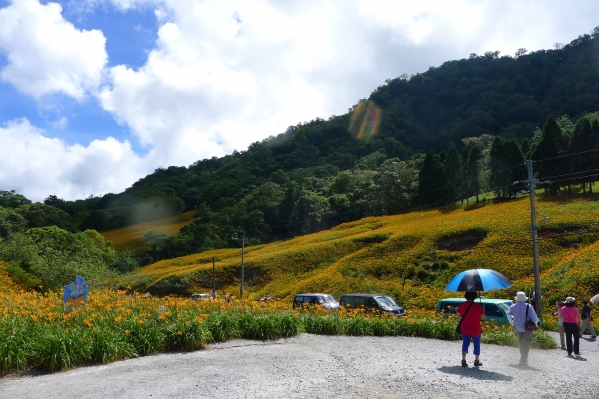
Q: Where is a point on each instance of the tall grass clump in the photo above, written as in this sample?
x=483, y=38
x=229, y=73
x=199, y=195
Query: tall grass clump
x=36, y=332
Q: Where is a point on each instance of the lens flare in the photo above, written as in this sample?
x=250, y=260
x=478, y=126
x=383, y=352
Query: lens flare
x=365, y=120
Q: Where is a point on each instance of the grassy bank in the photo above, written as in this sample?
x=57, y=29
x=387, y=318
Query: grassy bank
x=409, y=256
x=36, y=333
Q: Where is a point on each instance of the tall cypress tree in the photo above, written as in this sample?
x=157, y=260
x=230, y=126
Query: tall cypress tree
x=498, y=164
x=466, y=191
x=546, y=151
x=431, y=182
x=525, y=148
x=454, y=174
x=581, y=142
x=515, y=161
x=474, y=171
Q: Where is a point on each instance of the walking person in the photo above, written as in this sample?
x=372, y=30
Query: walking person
x=587, y=320
x=560, y=323
x=471, y=315
x=572, y=327
x=519, y=313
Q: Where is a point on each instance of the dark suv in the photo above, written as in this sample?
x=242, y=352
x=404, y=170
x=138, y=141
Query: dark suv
x=325, y=300
x=372, y=302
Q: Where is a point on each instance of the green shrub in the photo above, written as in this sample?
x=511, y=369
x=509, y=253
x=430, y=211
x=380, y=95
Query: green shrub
x=223, y=326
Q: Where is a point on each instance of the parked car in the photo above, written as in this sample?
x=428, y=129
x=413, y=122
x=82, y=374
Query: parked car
x=372, y=302
x=327, y=301
x=495, y=309
x=200, y=296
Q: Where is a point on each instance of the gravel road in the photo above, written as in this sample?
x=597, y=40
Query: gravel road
x=312, y=366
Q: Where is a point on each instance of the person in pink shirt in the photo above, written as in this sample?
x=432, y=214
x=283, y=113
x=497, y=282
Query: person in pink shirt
x=572, y=323
x=471, y=313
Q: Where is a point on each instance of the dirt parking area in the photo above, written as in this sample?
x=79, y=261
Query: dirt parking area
x=312, y=366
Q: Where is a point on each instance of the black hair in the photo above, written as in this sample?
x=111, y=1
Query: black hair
x=470, y=295
x=570, y=304
x=584, y=301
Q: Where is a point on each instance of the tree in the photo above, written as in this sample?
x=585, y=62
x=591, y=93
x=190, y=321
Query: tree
x=57, y=256
x=454, y=174
x=520, y=52
x=395, y=181
x=515, y=162
x=53, y=200
x=546, y=153
x=473, y=171
x=10, y=199
x=499, y=164
x=11, y=222
x=124, y=263
x=525, y=148
x=41, y=215
x=431, y=180
x=581, y=142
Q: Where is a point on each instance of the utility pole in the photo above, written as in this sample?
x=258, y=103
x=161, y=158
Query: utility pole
x=213, y=279
x=242, y=262
x=535, y=242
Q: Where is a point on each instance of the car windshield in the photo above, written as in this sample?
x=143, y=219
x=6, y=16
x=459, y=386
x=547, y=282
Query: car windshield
x=385, y=301
x=504, y=306
x=329, y=298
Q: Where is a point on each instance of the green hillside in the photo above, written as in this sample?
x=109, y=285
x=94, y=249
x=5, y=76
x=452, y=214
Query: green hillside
x=283, y=186
x=410, y=256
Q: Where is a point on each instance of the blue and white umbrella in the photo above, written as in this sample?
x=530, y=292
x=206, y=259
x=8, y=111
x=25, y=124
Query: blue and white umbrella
x=478, y=280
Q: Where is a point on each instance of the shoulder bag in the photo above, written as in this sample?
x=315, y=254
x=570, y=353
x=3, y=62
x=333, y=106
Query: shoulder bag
x=458, y=329
x=529, y=325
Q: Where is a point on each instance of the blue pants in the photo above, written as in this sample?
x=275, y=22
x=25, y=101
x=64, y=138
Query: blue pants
x=466, y=343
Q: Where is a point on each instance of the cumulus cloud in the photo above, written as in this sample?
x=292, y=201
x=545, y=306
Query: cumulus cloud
x=47, y=54
x=37, y=166
x=223, y=74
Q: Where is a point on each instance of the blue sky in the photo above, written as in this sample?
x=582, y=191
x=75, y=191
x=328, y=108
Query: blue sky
x=95, y=94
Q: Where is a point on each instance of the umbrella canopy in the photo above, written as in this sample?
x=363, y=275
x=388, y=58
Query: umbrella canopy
x=595, y=300
x=478, y=280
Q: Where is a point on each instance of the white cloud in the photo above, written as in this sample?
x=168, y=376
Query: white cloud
x=61, y=123
x=233, y=72
x=227, y=73
x=47, y=54
x=37, y=166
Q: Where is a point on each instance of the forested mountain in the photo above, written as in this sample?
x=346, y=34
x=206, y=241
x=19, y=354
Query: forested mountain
x=433, y=138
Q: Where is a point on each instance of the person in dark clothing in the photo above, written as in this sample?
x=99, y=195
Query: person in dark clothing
x=587, y=320
x=571, y=325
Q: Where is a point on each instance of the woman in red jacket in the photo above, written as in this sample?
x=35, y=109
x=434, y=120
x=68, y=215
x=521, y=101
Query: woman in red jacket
x=471, y=314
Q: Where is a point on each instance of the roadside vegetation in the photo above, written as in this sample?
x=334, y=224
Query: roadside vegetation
x=410, y=257
x=36, y=333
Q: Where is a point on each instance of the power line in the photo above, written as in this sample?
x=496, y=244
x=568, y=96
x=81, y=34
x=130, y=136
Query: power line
x=565, y=155
x=569, y=174
x=555, y=181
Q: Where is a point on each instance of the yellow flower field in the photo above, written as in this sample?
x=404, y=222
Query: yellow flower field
x=398, y=255
x=132, y=237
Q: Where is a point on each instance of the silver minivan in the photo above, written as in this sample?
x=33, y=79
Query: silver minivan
x=326, y=301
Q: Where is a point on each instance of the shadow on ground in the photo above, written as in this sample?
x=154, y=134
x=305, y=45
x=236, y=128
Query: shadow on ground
x=475, y=372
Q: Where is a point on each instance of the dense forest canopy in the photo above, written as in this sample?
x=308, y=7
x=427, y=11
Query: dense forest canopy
x=434, y=138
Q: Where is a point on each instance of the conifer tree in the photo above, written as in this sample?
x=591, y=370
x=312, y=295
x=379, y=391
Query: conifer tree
x=454, y=174
x=514, y=161
x=546, y=152
x=498, y=164
x=581, y=142
x=474, y=171
x=431, y=181
x=525, y=148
